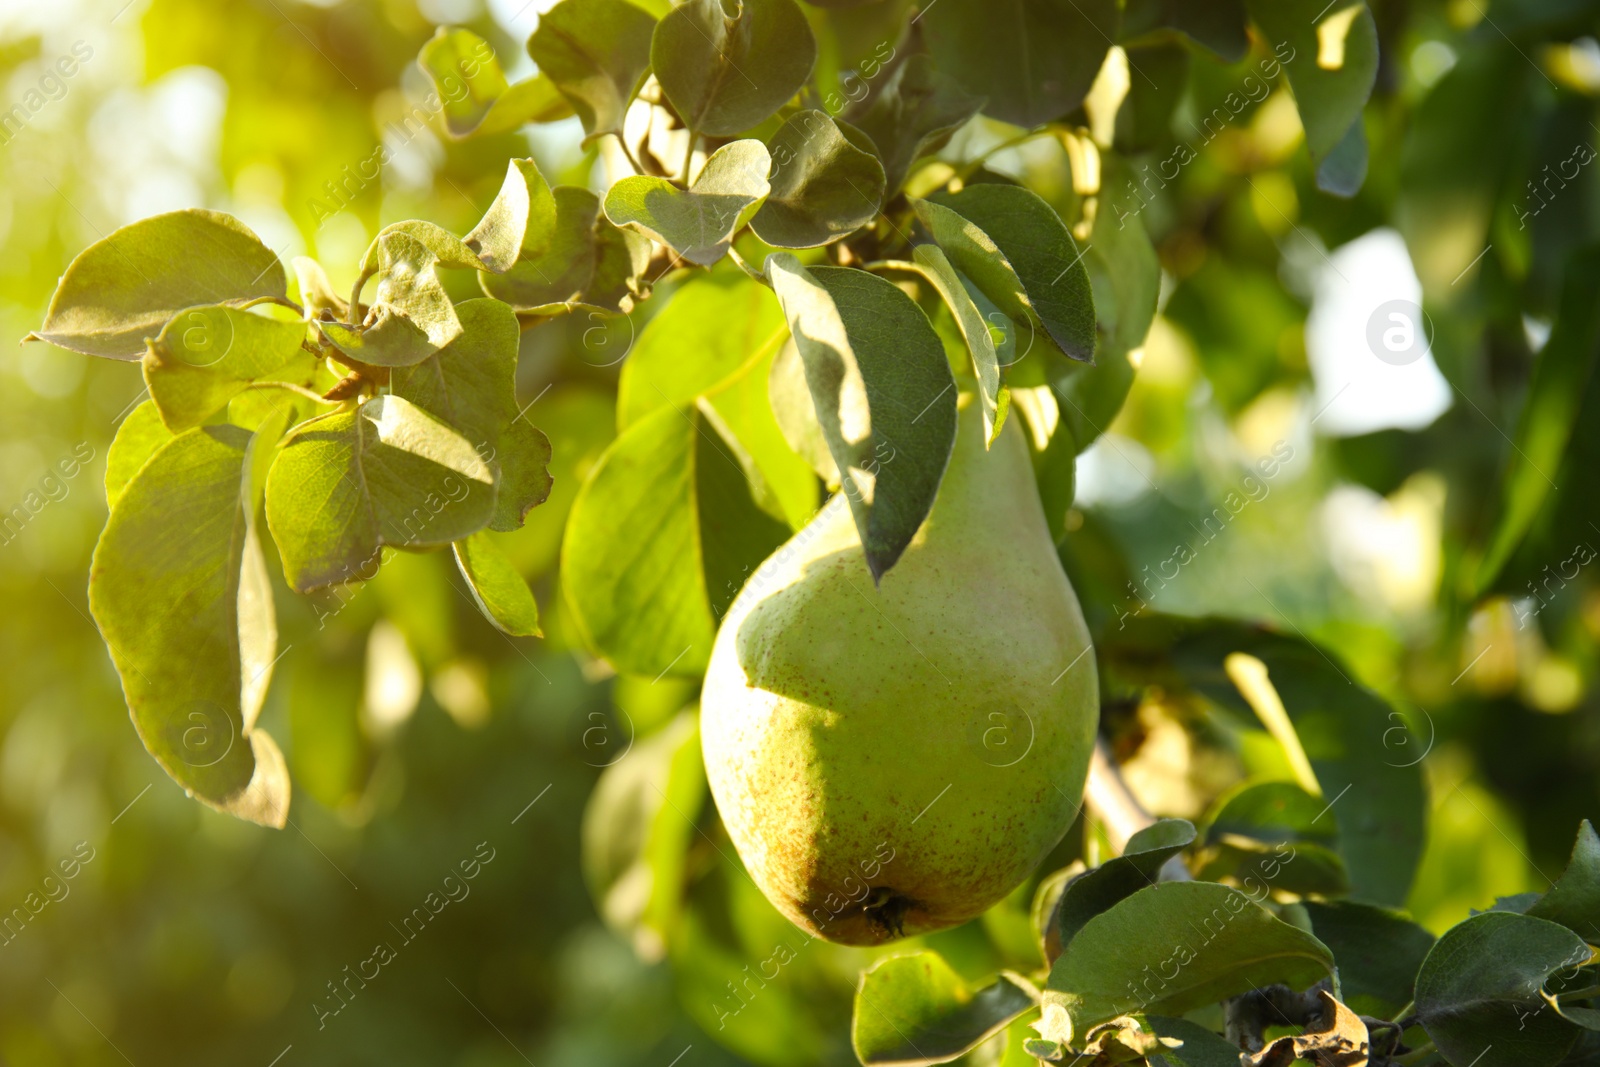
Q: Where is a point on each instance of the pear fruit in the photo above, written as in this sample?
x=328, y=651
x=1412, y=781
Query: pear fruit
x=894, y=760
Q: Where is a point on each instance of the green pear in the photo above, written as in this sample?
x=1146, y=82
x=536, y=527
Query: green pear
x=894, y=760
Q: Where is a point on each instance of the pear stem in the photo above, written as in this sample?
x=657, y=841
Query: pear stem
x=1109, y=799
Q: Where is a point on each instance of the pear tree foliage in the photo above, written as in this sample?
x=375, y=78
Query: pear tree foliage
x=829, y=283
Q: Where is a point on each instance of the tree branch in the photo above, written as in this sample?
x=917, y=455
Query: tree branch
x=1108, y=798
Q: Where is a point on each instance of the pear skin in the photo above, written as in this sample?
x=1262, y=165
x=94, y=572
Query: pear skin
x=894, y=760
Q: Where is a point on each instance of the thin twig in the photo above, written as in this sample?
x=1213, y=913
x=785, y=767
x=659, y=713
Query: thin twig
x=282, y=301
x=1109, y=799
x=971, y=166
x=293, y=388
x=353, y=316
x=622, y=143
x=688, y=159
x=739, y=261
x=910, y=266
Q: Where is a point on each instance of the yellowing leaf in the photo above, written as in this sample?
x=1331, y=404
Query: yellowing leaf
x=125, y=288
x=178, y=593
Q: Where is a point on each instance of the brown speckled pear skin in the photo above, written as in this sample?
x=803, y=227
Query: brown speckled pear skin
x=894, y=761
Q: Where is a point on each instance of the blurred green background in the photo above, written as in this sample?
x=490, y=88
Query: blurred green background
x=419, y=737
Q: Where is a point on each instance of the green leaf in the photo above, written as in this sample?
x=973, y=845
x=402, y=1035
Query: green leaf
x=781, y=481
x=975, y=331
x=1019, y=253
x=471, y=382
x=1056, y=473
x=915, y=1009
x=1588, y=1018
x=914, y=116
x=497, y=588
x=724, y=73
x=252, y=408
x=883, y=394
x=123, y=289
x=141, y=435
x=1198, y=1046
x=1251, y=827
x=1096, y=890
x=387, y=473
x=1517, y=902
x=620, y=259
x=411, y=315
x=1218, y=25
x=1215, y=941
x=258, y=624
x=660, y=538
x=1125, y=274
x=530, y=100
x=472, y=90
x=178, y=590
x=1272, y=812
x=706, y=333
x=450, y=250
x=1574, y=901
x=1158, y=83
x=637, y=829
x=1033, y=59
x=1356, y=743
x=1478, y=992
x=719, y=337
x=523, y=457
x=597, y=52
x=1378, y=951
x=1549, y=417
x=316, y=291
x=1125, y=1039
x=826, y=183
x=1124, y=270
x=206, y=356
x=466, y=75
x=521, y=223
x=699, y=222
x=1586, y=1053
x=1331, y=55
x=789, y=398
x=587, y=261
x=472, y=386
